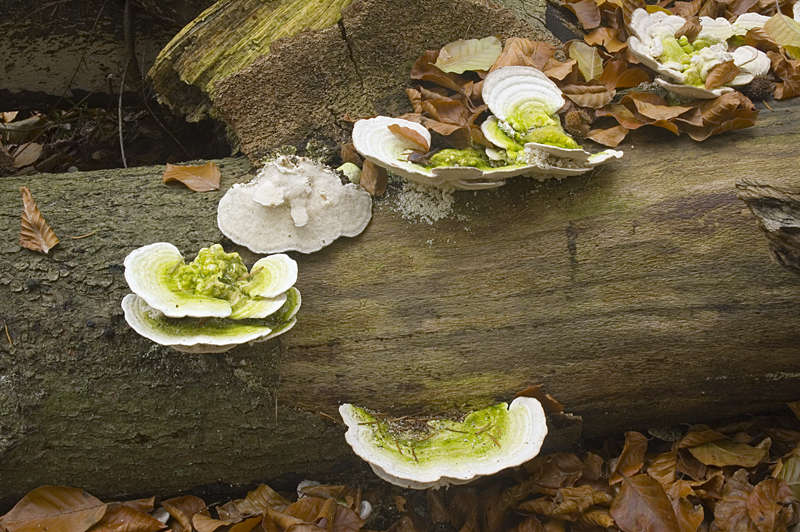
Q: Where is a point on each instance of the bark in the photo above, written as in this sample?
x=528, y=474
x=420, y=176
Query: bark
x=71, y=51
x=641, y=296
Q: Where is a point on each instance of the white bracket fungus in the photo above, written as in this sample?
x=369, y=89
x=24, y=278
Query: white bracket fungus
x=684, y=66
x=444, y=451
x=293, y=203
x=211, y=304
x=524, y=128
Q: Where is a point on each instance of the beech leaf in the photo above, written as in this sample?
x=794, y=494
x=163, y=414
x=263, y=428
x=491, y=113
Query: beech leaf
x=471, y=54
x=374, y=178
x=182, y=509
x=589, y=61
x=410, y=134
x=261, y=499
x=795, y=407
x=519, y=51
x=607, y=38
x=608, y=137
x=26, y=154
x=722, y=453
x=730, y=513
x=790, y=472
x=124, y=518
x=631, y=459
x=766, y=505
x=689, y=516
x=642, y=505
x=201, y=178
x=663, y=468
x=55, y=509
x=587, y=12
x=35, y=233
x=721, y=74
x=786, y=32
x=424, y=69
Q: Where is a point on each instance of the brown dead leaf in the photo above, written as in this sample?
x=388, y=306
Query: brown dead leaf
x=374, y=178
x=26, y=154
x=410, y=134
x=686, y=9
x=596, y=517
x=642, y=505
x=555, y=69
x=768, y=505
x=689, y=516
x=261, y=499
x=531, y=524
x=789, y=72
x=181, y=509
x=424, y=69
x=690, y=29
x=549, y=404
x=759, y=38
x=35, y=233
x=437, y=508
x=680, y=489
x=631, y=459
x=722, y=453
x=553, y=471
x=469, y=55
x=349, y=154
x=122, y=518
x=519, y=51
x=201, y=178
x=730, y=513
x=593, y=96
x=54, y=509
x=607, y=38
x=698, y=435
x=575, y=501
x=587, y=12
x=617, y=75
x=608, y=137
x=205, y=523
x=461, y=506
x=589, y=61
x=663, y=468
x=721, y=74
x=795, y=408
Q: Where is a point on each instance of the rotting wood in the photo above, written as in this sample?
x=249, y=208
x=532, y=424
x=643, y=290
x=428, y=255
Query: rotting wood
x=641, y=296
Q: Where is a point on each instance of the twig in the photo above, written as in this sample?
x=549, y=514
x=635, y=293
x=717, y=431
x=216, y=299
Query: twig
x=323, y=415
x=766, y=105
x=82, y=236
x=493, y=439
x=5, y=326
x=119, y=115
x=257, y=270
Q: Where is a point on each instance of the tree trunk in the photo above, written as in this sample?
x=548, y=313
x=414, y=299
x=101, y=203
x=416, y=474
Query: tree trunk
x=641, y=296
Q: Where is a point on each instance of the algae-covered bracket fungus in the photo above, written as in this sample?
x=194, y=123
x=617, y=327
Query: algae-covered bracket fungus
x=294, y=203
x=684, y=66
x=440, y=452
x=524, y=127
x=211, y=304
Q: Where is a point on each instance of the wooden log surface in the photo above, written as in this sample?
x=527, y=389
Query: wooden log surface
x=641, y=296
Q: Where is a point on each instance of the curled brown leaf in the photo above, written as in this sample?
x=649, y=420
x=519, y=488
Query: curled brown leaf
x=721, y=74
x=35, y=233
x=587, y=12
x=631, y=459
x=519, y=51
x=200, y=178
x=642, y=505
x=54, y=508
x=374, y=178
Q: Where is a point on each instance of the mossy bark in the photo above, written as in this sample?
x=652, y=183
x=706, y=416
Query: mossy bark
x=640, y=296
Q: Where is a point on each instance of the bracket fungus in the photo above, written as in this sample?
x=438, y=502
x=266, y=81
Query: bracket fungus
x=294, y=203
x=685, y=66
x=443, y=451
x=211, y=304
x=524, y=128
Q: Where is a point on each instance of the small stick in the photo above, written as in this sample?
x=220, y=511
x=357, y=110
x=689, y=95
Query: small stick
x=766, y=105
x=323, y=415
x=82, y=236
x=257, y=270
x=493, y=439
x=119, y=116
x=414, y=454
x=5, y=326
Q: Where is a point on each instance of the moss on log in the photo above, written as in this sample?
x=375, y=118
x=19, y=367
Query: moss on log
x=640, y=296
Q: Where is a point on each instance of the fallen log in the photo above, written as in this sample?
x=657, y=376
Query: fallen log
x=641, y=296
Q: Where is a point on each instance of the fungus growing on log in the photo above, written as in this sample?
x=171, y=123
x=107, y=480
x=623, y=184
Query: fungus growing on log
x=211, y=304
x=293, y=203
x=524, y=127
x=440, y=452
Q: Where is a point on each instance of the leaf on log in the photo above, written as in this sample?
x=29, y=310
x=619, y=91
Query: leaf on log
x=519, y=51
x=730, y=513
x=589, y=61
x=631, y=459
x=123, y=518
x=54, y=509
x=721, y=74
x=722, y=453
x=35, y=233
x=26, y=154
x=608, y=137
x=642, y=505
x=201, y=178
x=549, y=404
x=374, y=178
x=412, y=135
x=587, y=12
x=786, y=32
x=470, y=54
x=768, y=505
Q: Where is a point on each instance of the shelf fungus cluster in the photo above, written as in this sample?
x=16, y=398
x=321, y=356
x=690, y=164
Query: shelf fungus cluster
x=440, y=452
x=294, y=203
x=685, y=66
x=211, y=304
x=524, y=129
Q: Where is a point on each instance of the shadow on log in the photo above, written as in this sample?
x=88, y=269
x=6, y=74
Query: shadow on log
x=640, y=296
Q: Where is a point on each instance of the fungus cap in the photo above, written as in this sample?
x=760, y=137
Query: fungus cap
x=485, y=442
x=293, y=203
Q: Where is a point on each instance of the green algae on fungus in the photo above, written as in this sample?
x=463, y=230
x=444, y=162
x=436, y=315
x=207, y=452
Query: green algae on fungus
x=212, y=303
x=441, y=452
